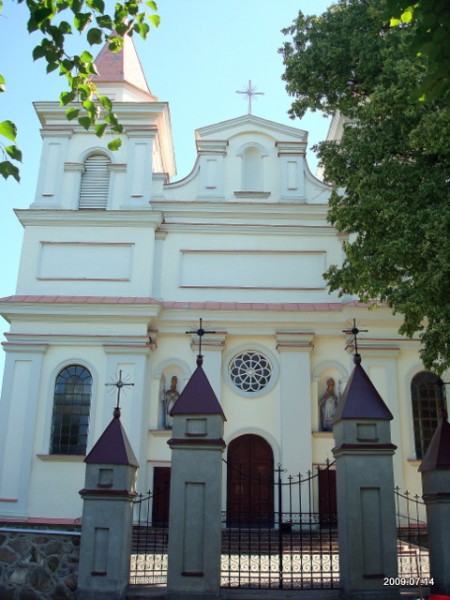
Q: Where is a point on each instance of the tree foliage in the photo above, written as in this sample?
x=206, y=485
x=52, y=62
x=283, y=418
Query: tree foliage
x=431, y=22
x=390, y=169
x=54, y=21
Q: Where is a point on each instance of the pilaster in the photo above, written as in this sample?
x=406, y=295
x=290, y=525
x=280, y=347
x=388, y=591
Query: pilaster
x=51, y=172
x=19, y=405
x=295, y=348
x=140, y=160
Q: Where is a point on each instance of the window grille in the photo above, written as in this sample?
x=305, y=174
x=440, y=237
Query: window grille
x=250, y=371
x=71, y=409
x=427, y=397
x=95, y=182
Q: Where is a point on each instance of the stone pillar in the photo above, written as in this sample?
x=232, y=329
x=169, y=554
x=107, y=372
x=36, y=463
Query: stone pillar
x=365, y=491
x=435, y=469
x=195, y=528
x=106, y=531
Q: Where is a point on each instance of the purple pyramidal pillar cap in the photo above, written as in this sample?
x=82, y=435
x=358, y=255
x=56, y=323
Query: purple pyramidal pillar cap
x=198, y=397
x=113, y=446
x=438, y=454
x=360, y=399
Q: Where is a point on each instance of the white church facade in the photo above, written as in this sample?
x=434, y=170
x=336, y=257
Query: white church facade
x=119, y=263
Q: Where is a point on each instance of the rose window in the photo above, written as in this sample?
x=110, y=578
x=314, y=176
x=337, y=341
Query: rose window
x=250, y=371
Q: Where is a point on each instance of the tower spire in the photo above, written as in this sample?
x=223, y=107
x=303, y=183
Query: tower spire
x=122, y=72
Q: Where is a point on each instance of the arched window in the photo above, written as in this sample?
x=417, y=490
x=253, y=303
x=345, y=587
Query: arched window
x=427, y=398
x=95, y=182
x=71, y=409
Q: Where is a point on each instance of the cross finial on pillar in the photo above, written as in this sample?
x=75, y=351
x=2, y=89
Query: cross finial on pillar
x=250, y=92
x=200, y=332
x=119, y=384
x=355, y=331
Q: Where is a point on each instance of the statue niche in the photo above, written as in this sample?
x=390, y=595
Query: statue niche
x=328, y=404
x=169, y=397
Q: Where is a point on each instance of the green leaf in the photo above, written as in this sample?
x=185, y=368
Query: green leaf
x=52, y=66
x=105, y=22
x=152, y=5
x=100, y=129
x=7, y=169
x=407, y=16
x=81, y=20
x=2, y=84
x=72, y=113
x=114, y=144
x=38, y=52
x=66, y=97
x=85, y=122
x=8, y=130
x=13, y=152
x=105, y=102
x=155, y=19
x=86, y=56
x=84, y=90
x=94, y=36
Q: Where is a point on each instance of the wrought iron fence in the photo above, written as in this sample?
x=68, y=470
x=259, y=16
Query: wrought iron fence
x=289, y=544
x=412, y=537
x=148, y=564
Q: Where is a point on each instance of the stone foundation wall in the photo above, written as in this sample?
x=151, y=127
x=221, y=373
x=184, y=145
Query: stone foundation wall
x=38, y=564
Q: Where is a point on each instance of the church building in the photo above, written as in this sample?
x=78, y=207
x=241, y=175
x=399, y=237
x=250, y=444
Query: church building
x=119, y=263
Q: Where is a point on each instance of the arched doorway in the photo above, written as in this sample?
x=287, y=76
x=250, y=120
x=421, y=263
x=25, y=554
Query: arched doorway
x=250, y=481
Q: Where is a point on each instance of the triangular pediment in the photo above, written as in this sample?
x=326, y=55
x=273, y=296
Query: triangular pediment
x=245, y=123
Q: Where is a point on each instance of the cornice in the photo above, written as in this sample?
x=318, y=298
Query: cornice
x=78, y=311
x=246, y=228
x=52, y=113
x=109, y=341
x=239, y=208
x=89, y=218
x=294, y=340
x=24, y=348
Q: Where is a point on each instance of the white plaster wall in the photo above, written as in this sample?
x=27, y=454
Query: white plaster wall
x=87, y=261
x=186, y=270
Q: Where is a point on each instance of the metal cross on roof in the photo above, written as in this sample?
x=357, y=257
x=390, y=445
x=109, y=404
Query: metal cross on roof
x=250, y=92
x=119, y=384
x=200, y=332
x=355, y=331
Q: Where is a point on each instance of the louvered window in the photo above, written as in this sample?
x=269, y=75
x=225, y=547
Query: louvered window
x=95, y=182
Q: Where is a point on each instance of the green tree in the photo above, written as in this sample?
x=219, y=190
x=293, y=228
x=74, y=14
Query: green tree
x=390, y=169
x=431, y=22
x=54, y=20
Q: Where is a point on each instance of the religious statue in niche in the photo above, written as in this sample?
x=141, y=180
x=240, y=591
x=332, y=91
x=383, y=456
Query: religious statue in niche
x=170, y=396
x=328, y=404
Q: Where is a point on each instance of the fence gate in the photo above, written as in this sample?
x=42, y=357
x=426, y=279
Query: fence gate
x=293, y=546
x=148, y=564
x=412, y=539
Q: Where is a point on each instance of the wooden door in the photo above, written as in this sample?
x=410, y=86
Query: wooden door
x=327, y=497
x=161, y=495
x=250, y=486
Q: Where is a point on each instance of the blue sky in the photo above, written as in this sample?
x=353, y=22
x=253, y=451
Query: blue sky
x=200, y=55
